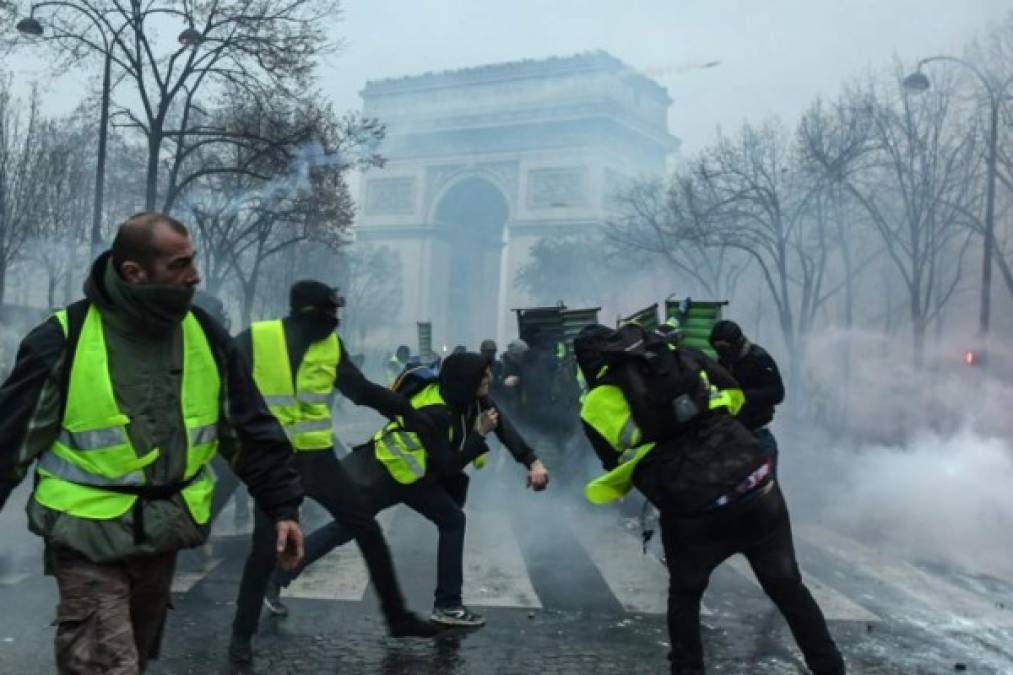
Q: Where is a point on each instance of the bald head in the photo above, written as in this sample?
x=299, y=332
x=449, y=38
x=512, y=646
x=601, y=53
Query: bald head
x=153, y=248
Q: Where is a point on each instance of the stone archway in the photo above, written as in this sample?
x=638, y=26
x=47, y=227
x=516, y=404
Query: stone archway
x=470, y=219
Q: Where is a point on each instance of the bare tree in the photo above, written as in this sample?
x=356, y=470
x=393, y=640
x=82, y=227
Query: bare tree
x=762, y=202
x=572, y=269
x=663, y=222
x=912, y=169
x=372, y=283
x=64, y=196
x=22, y=147
x=261, y=48
x=283, y=185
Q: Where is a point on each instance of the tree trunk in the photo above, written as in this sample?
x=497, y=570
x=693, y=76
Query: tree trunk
x=918, y=330
x=51, y=290
x=151, y=186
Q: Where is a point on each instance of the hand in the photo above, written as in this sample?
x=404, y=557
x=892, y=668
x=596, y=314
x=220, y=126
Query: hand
x=538, y=476
x=290, y=544
x=511, y=381
x=487, y=421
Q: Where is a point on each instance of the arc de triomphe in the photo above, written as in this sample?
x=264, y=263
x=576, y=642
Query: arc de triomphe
x=482, y=162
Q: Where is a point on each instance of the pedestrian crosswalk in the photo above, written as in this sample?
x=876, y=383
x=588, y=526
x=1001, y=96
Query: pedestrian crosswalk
x=851, y=580
x=498, y=570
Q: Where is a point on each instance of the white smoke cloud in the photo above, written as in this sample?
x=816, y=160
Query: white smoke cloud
x=917, y=460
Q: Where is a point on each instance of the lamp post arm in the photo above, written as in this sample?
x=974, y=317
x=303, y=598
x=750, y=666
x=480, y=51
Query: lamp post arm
x=967, y=64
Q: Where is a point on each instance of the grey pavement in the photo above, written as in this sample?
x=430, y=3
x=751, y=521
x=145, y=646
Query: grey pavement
x=566, y=590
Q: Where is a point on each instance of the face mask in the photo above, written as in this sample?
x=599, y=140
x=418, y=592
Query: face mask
x=728, y=353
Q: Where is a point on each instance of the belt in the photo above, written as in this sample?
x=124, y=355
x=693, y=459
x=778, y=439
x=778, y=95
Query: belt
x=150, y=493
x=747, y=488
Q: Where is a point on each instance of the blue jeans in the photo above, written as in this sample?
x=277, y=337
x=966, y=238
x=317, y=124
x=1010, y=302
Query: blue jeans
x=441, y=502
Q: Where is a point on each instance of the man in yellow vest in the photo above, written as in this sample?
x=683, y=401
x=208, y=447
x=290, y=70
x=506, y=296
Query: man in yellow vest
x=706, y=474
x=121, y=401
x=297, y=364
x=425, y=472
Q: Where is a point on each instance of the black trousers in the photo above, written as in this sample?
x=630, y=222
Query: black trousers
x=327, y=483
x=440, y=502
x=760, y=529
x=227, y=484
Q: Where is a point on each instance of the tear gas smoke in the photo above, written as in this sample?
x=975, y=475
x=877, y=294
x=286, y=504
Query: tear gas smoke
x=916, y=460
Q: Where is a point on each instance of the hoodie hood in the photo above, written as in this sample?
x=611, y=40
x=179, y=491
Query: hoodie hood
x=149, y=309
x=460, y=376
x=588, y=348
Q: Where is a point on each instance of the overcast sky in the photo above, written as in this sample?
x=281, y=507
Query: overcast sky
x=776, y=55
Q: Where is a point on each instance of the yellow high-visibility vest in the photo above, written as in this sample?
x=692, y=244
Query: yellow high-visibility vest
x=401, y=451
x=302, y=405
x=93, y=450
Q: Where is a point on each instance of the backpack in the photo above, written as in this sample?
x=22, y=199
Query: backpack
x=662, y=385
x=413, y=380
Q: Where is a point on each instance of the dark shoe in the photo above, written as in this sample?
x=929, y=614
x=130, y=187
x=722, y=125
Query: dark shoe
x=272, y=599
x=412, y=625
x=457, y=616
x=240, y=655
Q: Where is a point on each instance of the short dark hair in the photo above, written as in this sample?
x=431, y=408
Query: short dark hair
x=136, y=235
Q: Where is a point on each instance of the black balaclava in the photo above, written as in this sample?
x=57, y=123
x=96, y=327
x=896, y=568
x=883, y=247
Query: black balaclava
x=460, y=376
x=314, y=305
x=587, y=348
x=730, y=333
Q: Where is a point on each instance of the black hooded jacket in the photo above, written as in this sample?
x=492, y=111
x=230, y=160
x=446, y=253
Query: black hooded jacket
x=453, y=442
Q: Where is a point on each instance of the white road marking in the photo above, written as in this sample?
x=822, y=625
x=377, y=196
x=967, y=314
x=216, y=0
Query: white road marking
x=638, y=581
x=339, y=575
x=959, y=605
x=835, y=605
x=225, y=523
x=13, y=578
x=495, y=574
x=182, y=582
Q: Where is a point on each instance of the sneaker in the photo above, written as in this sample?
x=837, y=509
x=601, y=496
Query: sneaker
x=272, y=599
x=457, y=616
x=412, y=625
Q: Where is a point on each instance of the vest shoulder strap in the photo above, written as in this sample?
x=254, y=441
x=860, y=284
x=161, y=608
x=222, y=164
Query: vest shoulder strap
x=75, y=313
x=213, y=332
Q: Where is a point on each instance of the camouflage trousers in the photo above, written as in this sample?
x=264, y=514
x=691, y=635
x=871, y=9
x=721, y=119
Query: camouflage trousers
x=110, y=615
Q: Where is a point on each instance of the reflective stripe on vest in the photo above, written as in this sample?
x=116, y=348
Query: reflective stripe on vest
x=302, y=405
x=93, y=449
x=401, y=451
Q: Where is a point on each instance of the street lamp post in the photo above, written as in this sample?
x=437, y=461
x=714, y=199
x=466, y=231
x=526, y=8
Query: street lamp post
x=30, y=26
x=918, y=82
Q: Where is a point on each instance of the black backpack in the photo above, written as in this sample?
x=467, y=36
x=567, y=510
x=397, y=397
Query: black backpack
x=662, y=385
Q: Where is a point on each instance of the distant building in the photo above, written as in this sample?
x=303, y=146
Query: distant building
x=482, y=162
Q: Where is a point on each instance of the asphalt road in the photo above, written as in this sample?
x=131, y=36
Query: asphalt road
x=566, y=589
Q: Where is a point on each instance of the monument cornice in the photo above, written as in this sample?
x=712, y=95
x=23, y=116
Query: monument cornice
x=554, y=67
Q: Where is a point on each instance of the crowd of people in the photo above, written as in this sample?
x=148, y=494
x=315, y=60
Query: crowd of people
x=125, y=406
